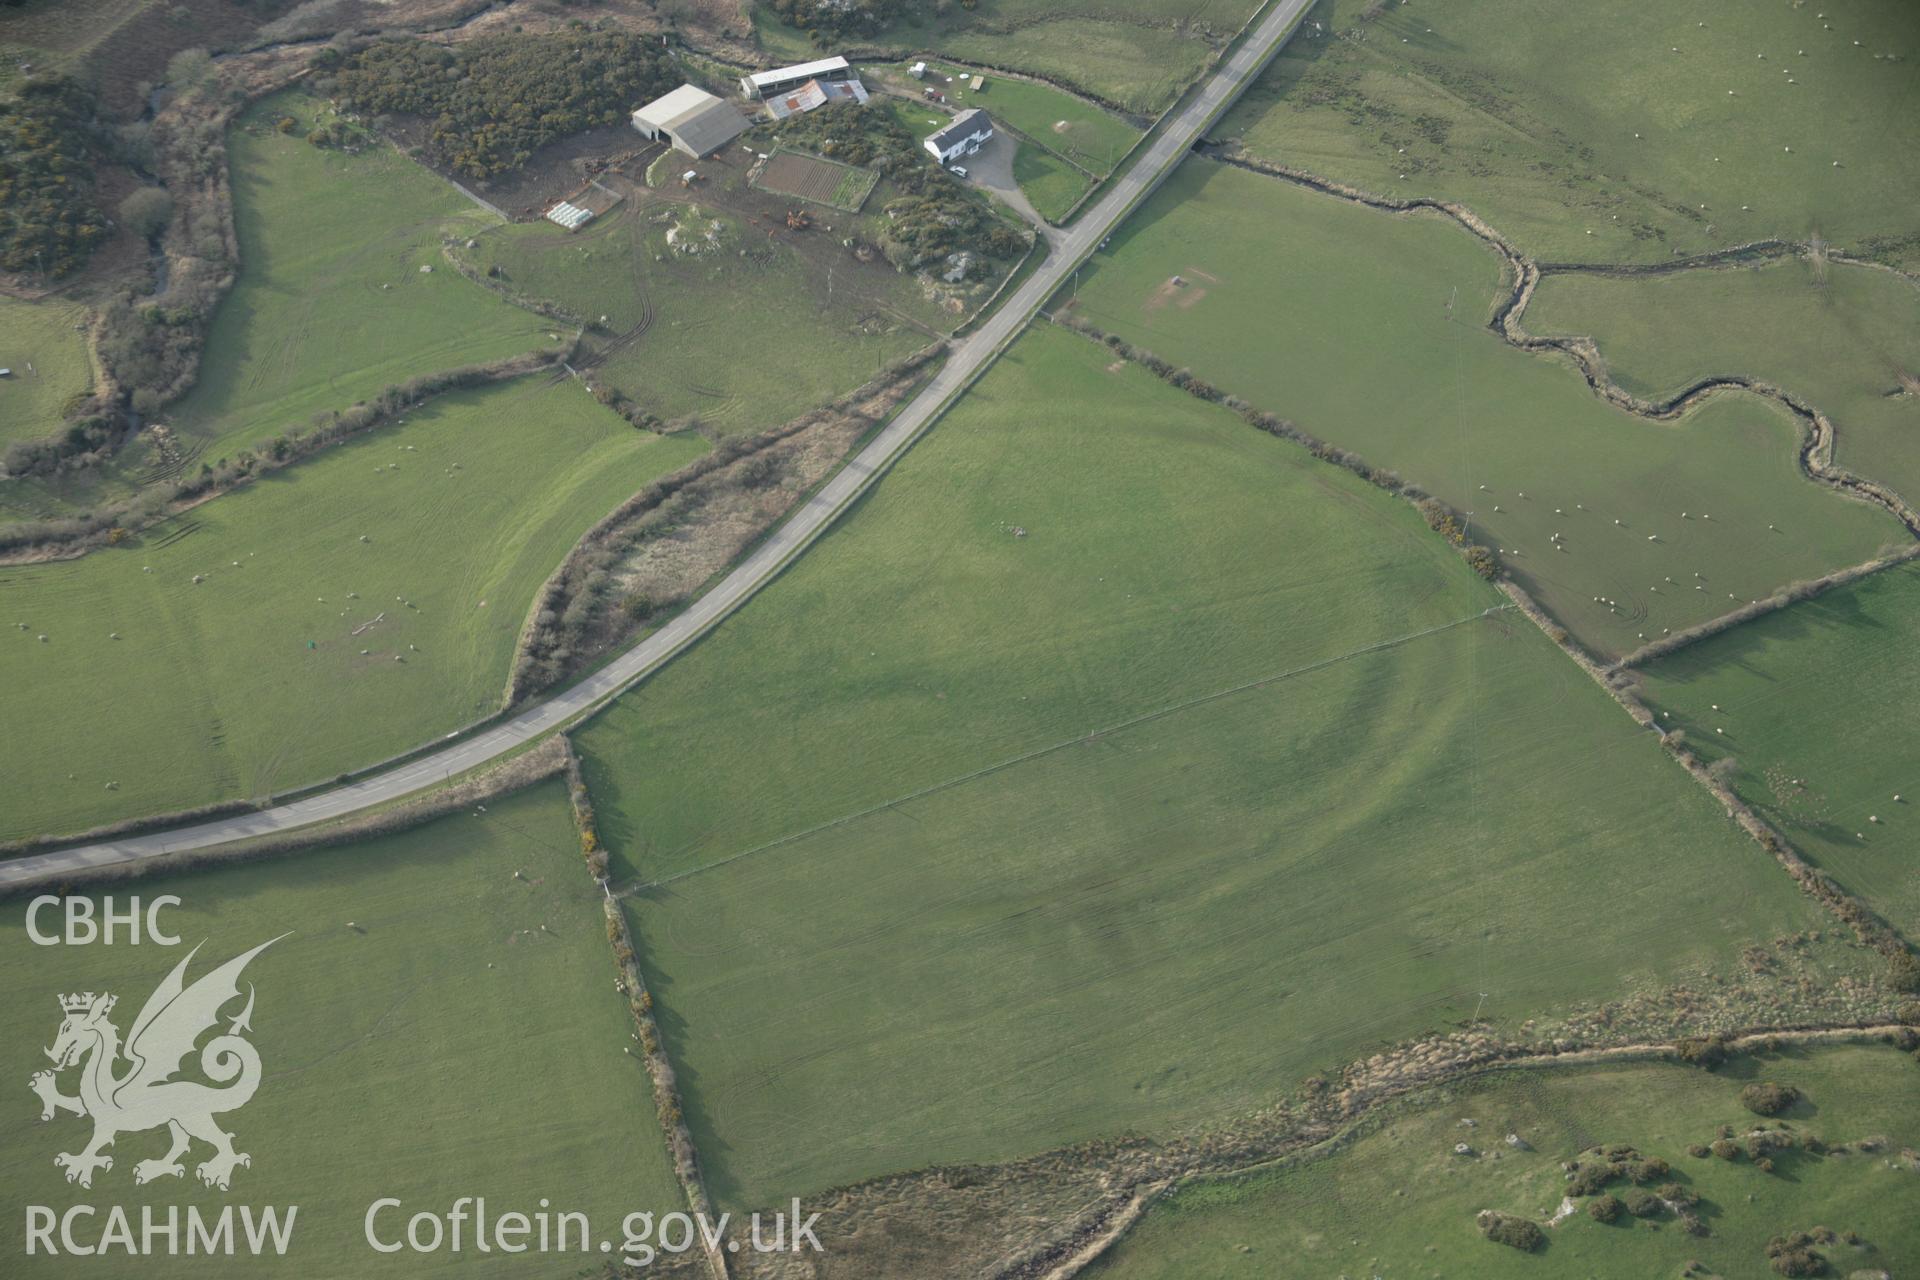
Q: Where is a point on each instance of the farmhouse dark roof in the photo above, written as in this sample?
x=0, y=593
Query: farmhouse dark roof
x=964, y=125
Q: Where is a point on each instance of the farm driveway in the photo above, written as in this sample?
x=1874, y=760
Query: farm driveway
x=992, y=168
x=969, y=357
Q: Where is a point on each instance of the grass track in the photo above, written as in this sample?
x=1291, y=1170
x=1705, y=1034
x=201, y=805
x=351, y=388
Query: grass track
x=1842, y=348
x=1826, y=692
x=212, y=692
x=1643, y=122
x=1148, y=927
x=1399, y=1202
x=1368, y=330
x=448, y=1047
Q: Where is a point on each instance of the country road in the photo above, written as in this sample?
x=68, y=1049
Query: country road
x=969, y=357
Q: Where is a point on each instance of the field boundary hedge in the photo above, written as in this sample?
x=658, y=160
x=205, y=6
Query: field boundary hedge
x=1440, y=517
x=67, y=537
x=1869, y=927
x=1815, y=454
x=633, y=985
x=1792, y=593
x=565, y=629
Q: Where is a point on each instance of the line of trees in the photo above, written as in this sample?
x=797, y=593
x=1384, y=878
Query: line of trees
x=492, y=102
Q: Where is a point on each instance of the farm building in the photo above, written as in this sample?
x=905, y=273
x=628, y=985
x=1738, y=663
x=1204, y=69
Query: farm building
x=969, y=131
x=814, y=94
x=692, y=119
x=764, y=84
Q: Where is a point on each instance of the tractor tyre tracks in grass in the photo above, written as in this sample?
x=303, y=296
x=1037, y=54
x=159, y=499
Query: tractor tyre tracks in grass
x=1869, y=927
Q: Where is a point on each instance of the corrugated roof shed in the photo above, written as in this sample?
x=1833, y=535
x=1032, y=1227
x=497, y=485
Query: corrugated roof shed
x=815, y=93
x=799, y=71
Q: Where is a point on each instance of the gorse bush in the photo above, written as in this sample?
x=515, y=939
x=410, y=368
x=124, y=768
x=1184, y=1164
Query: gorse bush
x=493, y=101
x=1765, y=1098
x=829, y=18
x=1515, y=1233
x=48, y=151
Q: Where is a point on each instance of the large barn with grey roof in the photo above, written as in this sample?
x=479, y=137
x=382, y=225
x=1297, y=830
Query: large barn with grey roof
x=692, y=119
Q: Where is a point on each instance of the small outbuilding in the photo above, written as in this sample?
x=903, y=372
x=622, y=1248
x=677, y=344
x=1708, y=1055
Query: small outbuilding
x=692, y=119
x=969, y=131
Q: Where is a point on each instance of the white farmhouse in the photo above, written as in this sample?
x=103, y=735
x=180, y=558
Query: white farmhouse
x=969, y=132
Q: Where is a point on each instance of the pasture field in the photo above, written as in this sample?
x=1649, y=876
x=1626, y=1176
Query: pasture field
x=1368, y=329
x=1850, y=346
x=330, y=305
x=432, y=1026
x=1398, y=1201
x=741, y=333
x=1074, y=128
x=40, y=334
x=1050, y=183
x=1816, y=703
x=1113, y=768
x=254, y=679
x=1622, y=130
x=1136, y=54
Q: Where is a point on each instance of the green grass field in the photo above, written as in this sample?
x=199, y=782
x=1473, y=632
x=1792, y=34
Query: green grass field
x=330, y=305
x=1815, y=703
x=1368, y=330
x=1072, y=127
x=434, y=1027
x=1399, y=1202
x=213, y=692
x=1137, y=54
x=1053, y=185
x=40, y=334
x=1642, y=122
x=934, y=889
x=741, y=336
x=1843, y=346
x=1137, y=68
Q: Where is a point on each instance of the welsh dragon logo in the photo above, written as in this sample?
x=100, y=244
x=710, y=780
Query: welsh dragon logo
x=145, y=1095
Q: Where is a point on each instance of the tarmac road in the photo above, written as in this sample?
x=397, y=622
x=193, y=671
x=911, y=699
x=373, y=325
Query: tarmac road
x=971, y=355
